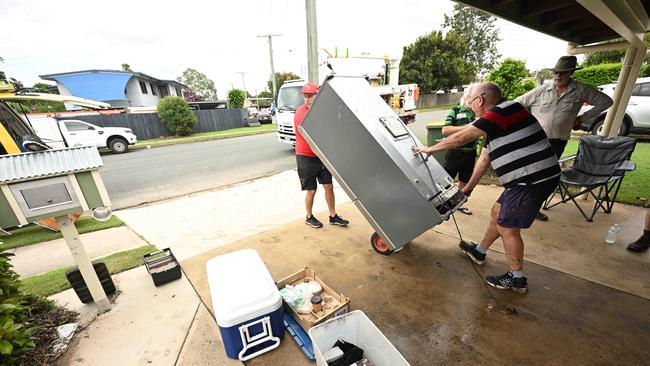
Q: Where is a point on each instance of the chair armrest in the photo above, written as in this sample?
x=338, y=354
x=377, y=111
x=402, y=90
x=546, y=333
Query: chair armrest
x=627, y=165
x=567, y=158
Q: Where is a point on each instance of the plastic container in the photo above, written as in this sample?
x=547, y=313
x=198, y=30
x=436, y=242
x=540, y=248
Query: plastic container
x=356, y=328
x=162, y=266
x=246, y=303
x=612, y=233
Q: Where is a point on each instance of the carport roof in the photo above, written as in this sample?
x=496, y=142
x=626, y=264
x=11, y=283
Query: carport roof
x=570, y=20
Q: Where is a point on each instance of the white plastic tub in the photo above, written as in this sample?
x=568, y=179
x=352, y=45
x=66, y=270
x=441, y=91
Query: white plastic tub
x=356, y=328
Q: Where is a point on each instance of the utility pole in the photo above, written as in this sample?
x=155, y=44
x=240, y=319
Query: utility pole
x=243, y=79
x=312, y=41
x=273, y=83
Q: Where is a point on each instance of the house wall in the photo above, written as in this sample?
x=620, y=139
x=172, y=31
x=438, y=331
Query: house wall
x=135, y=96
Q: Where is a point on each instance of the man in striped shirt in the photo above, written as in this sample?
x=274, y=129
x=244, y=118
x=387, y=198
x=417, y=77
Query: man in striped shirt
x=521, y=156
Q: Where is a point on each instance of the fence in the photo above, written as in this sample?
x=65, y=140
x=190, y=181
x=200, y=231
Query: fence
x=432, y=100
x=148, y=126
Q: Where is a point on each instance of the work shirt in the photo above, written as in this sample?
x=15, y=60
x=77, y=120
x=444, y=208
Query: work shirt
x=460, y=116
x=302, y=147
x=519, y=150
x=556, y=113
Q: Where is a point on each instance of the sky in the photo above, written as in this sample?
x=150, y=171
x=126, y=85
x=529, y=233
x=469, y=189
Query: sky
x=220, y=38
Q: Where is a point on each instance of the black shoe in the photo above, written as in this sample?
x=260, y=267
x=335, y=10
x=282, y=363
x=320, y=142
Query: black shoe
x=541, y=216
x=470, y=250
x=639, y=246
x=338, y=220
x=507, y=282
x=313, y=222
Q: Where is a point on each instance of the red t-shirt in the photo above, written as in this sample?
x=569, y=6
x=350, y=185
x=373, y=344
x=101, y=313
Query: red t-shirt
x=302, y=147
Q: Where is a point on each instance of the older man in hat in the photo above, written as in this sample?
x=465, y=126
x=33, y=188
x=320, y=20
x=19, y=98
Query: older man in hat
x=556, y=105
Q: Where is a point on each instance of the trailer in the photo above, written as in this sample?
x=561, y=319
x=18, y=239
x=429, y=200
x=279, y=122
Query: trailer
x=367, y=148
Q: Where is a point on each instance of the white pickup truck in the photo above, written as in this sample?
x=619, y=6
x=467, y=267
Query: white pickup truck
x=71, y=133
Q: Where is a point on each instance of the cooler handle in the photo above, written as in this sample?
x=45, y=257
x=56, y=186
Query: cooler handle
x=264, y=336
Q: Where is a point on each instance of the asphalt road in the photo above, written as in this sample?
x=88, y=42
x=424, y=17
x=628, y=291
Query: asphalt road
x=150, y=175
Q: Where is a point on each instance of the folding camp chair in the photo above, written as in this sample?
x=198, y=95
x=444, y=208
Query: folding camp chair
x=600, y=164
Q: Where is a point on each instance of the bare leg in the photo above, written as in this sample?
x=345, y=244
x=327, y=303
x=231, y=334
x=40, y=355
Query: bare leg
x=329, y=198
x=492, y=232
x=461, y=185
x=309, y=201
x=514, y=246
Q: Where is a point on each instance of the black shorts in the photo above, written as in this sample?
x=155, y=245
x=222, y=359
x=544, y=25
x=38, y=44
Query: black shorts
x=461, y=163
x=310, y=169
x=521, y=203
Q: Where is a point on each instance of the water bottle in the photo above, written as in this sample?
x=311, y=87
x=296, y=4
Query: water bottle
x=611, y=234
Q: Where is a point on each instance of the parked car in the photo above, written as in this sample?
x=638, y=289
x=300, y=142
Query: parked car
x=264, y=117
x=637, y=113
x=71, y=133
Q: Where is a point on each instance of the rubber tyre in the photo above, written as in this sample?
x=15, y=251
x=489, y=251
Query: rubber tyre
x=118, y=145
x=379, y=245
x=624, y=130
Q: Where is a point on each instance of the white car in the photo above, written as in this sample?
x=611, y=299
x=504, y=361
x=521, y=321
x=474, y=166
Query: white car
x=637, y=113
x=72, y=133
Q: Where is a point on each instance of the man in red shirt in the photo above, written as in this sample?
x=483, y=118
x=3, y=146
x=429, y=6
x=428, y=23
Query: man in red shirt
x=311, y=168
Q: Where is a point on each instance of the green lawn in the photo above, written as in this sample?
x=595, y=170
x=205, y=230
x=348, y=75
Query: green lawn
x=33, y=234
x=633, y=189
x=53, y=282
x=205, y=136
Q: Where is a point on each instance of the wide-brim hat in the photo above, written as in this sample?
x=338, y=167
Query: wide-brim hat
x=566, y=63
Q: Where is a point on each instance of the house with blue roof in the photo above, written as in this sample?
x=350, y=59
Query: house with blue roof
x=118, y=88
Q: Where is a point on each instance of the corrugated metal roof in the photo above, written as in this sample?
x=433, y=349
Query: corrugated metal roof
x=28, y=166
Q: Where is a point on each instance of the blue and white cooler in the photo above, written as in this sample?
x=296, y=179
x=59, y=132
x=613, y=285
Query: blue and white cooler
x=246, y=303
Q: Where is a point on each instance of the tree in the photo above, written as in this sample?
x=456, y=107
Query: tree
x=236, y=99
x=280, y=78
x=176, y=115
x=509, y=76
x=609, y=57
x=264, y=103
x=199, y=83
x=480, y=30
x=126, y=67
x=435, y=62
x=191, y=96
x=45, y=88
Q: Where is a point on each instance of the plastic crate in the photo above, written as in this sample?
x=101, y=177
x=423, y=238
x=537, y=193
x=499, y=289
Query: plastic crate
x=162, y=266
x=355, y=327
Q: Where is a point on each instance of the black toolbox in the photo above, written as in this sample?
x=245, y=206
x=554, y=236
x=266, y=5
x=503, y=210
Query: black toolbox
x=162, y=266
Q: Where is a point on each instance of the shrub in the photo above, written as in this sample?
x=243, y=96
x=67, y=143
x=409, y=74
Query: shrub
x=15, y=330
x=604, y=74
x=236, y=98
x=510, y=77
x=176, y=115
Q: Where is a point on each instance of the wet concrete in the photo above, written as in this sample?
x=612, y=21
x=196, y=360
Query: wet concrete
x=432, y=304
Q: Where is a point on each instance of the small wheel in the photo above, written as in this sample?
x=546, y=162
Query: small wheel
x=118, y=145
x=379, y=245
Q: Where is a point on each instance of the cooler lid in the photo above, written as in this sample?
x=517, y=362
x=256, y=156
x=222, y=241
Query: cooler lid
x=241, y=287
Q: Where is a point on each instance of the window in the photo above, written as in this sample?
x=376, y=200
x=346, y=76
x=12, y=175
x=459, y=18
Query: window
x=143, y=87
x=178, y=92
x=153, y=89
x=645, y=90
x=77, y=126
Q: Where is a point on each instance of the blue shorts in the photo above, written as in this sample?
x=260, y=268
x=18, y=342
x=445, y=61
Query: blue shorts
x=521, y=203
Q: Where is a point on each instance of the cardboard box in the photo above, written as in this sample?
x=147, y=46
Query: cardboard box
x=340, y=302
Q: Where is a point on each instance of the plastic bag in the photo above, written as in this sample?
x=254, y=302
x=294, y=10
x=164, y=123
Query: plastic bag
x=292, y=295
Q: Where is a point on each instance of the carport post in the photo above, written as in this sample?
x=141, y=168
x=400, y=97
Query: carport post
x=86, y=268
x=629, y=70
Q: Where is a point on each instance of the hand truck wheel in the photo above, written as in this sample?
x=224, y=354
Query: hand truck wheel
x=379, y=245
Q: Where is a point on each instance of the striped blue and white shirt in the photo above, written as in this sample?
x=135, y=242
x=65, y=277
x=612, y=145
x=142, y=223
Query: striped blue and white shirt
x=519, y=150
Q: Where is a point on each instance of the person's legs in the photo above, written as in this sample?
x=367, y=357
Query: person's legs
x=476, y=252
x=558, y=147
x=513, y=245
x=329, y=198
x=466, y=168
x=309, y=201
x=643, y=243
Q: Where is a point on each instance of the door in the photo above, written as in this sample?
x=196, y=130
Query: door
x=639, y=106
x=79, y=133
